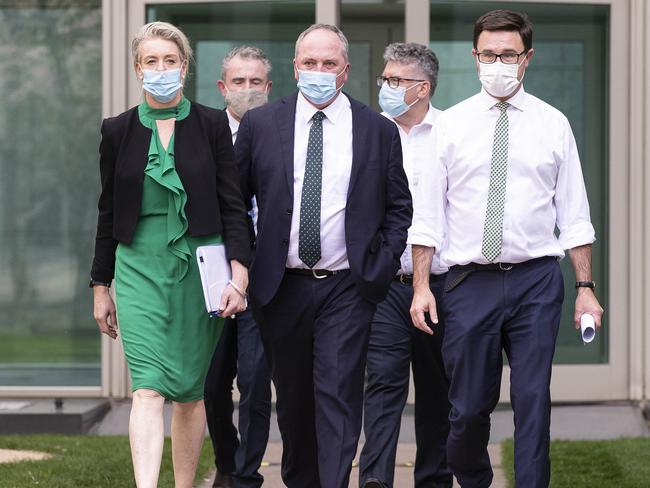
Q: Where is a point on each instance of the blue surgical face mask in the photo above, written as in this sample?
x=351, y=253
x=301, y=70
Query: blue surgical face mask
x=391, y=100
x=163, y=86
x=317, y=87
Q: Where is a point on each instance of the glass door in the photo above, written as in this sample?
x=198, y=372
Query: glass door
x=214, y=28
x=49, y=135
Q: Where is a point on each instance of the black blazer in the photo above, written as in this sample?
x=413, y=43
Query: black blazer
x=205, y=164
x=378, y=211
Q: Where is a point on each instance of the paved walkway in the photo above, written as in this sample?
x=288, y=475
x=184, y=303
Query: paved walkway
x=14, y=456
x=595, y=421
x=403, y=468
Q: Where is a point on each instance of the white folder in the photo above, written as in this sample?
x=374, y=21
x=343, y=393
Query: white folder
x=215, y=274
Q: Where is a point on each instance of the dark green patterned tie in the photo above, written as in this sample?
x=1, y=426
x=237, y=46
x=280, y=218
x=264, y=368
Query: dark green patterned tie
x=309, y=234
x=493, y=230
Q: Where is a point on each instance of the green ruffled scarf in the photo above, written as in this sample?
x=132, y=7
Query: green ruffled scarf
x=162, y=169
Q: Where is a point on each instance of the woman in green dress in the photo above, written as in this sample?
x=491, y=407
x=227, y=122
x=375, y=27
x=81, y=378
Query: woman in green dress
x=169, y=184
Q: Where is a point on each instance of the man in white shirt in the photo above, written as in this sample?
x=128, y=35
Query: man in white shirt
x=245, y=85
x=334, y=211
x=511, y=174
x=407, y=83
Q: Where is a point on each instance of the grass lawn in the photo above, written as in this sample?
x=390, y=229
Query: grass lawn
x=83, y=462
x=620, y=463
x=49, y=348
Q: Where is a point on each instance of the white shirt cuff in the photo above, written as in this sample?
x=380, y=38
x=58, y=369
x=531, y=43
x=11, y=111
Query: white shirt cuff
x=578, y=234
x=424, y=237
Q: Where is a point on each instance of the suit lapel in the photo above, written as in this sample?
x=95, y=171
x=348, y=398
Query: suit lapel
x=285, y=116
x=133, y=154
x=360, y=116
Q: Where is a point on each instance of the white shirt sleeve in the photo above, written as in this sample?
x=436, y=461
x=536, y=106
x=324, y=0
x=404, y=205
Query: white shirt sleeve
x=571, y=202
x=429, y=199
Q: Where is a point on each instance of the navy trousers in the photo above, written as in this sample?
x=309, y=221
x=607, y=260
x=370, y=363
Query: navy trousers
x=394, y=345
x=244, y=457
x=517, y=311
x=315, y=334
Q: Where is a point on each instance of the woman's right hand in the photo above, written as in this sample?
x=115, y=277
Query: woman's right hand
x=104, y=311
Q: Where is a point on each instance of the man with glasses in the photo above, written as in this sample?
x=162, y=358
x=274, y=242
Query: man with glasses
x=506, y=173
x=407, y=84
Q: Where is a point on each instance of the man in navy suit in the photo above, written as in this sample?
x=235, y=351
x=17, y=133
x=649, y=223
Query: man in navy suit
x=334, y=209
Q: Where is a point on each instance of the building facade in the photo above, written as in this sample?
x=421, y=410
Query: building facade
x=67, y=64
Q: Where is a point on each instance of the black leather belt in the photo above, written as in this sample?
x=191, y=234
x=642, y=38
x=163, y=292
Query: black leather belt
x=407, y=279
x=467, y=269
x=319, y=274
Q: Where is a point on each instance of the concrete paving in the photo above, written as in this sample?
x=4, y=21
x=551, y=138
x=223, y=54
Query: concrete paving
x=403, y=468
x=15, y=456
x=592, y=421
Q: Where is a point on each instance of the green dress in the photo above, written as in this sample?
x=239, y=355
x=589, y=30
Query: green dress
x=167, y=334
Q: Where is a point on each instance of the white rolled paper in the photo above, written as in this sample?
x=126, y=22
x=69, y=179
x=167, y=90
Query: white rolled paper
x=587, y=328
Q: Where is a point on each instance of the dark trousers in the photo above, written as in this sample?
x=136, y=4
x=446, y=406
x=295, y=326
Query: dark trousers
x=517, y=311
x=395, y=344
x=244, y=356
x=315, y=334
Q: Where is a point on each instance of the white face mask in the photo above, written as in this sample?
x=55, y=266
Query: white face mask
x=499, y=79
x=241, y=101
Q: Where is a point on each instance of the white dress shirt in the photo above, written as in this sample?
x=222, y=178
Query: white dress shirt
x=417, y=149
x=337, y=165
x=234, y=128
x=545, y=186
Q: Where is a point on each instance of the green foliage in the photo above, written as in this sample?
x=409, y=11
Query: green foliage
x=83, y=462
x=620, y=463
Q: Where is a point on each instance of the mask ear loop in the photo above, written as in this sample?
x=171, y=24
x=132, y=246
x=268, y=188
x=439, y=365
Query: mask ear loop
x=412, y=86
x=524, y=73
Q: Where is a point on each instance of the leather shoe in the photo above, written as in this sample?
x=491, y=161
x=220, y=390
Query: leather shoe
x=222, y=480
x=373, y=483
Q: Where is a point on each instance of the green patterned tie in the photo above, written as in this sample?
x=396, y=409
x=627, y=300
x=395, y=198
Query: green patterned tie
x=309, y=233
x=493, y=231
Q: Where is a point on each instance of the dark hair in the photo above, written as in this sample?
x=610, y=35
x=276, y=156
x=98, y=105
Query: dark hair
x=505, y=20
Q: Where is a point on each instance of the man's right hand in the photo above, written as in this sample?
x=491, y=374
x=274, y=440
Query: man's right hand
x=423, y=301
x=104, y=311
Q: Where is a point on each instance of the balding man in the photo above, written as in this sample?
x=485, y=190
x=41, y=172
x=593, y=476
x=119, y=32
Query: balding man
x=334, y=209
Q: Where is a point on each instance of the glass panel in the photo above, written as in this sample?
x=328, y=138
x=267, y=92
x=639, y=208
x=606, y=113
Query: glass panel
x=370, y=25
x=215, y=28
x=49, y=134
x=570, y=71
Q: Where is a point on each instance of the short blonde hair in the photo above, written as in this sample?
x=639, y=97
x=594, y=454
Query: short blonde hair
x=162, y=30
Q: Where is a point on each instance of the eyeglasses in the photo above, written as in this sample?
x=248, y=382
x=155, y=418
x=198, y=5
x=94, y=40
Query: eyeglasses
x=506, y=58
x=393, y=81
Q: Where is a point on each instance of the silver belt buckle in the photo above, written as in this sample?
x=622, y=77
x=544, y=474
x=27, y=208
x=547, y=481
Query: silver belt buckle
x=317, y=276
x=401, y=279
x=505, y=268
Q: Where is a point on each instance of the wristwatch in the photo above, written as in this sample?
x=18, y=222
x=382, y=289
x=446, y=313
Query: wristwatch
x=98, y=283
x=586, y=284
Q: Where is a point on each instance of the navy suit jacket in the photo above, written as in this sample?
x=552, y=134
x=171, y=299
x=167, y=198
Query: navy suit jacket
x=378, y=211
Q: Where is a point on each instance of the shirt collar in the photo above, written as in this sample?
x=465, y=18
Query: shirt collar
x=427, y=122
x=332, y=111
x=430, y=117
x=233, y=122
x=518, y=100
